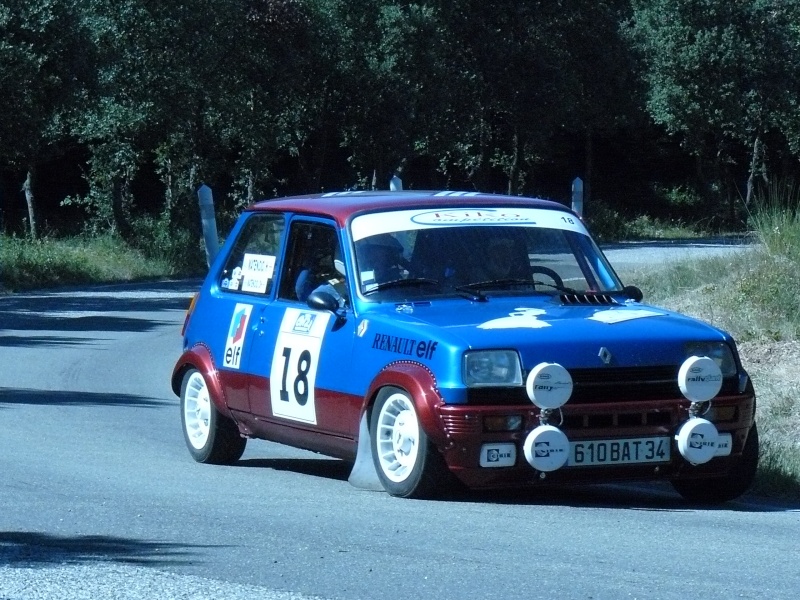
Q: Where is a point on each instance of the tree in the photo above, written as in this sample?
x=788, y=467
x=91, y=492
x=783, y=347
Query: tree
x=382, y=85
x=43, y=66
x=522, y=79
x=605, y=95
x=720, y=73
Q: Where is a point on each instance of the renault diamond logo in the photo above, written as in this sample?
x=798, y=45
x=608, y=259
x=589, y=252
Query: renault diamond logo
x=605, y=355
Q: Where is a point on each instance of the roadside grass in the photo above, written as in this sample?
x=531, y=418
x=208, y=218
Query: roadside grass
x=30, y=264
x=755, y=296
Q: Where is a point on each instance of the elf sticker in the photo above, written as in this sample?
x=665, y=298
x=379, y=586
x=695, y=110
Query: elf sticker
x=236, y=335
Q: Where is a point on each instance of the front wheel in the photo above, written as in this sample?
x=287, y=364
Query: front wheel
x=210, y=436
x=721, y=489
x=407, y=464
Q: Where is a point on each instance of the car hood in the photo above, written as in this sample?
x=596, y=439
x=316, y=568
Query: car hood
x=544, y=330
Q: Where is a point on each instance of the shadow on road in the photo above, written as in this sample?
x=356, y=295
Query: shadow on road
x=22, y=548
x=645, y=497
x=317, y=467
x=633, y=496
x=93, y=308
x=63, y=398
x=60, y=322
x=20, y=341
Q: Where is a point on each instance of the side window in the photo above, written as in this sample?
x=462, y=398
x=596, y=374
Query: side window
x=250, y=267
x=313, y=261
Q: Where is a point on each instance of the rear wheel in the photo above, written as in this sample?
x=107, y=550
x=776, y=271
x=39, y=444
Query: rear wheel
x=721, y=489
x=210, y=436
x=407, y=464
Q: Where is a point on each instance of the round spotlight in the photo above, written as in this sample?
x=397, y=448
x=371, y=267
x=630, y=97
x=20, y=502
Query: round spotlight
x=699, y=378
x=546, y=448
x=549, y=385
x=697, y=441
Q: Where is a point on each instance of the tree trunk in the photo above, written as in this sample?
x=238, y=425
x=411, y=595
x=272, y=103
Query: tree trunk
x=27, y=187
x=587, y=180
x=732, y=192
x=755, y=160
x=251, y=187
x=513, y=175
x=119, y=189
x=169, y=197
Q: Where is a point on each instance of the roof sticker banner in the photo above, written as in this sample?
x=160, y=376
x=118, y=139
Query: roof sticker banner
x=408, y=220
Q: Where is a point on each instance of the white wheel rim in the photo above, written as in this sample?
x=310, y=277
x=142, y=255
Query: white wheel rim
x=197, y=411
x=398, y=437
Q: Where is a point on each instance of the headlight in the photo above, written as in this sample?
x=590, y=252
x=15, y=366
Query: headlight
x=719, y=352
x=492, y=367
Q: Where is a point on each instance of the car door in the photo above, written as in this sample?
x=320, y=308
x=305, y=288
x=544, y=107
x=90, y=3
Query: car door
x=245, y=281
x=300, y=357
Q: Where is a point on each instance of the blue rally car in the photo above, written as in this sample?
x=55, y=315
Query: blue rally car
x=433, y=338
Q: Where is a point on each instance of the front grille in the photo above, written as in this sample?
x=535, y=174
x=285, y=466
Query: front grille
x=598, y=386
x=461, y=424
x=593, y=386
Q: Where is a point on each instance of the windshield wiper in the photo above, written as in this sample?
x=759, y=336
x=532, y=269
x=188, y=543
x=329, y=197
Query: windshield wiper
x=398, y=283
x=560, y=288
x=478, y=286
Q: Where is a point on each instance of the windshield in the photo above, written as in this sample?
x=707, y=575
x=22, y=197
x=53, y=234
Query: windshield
x=424, y=254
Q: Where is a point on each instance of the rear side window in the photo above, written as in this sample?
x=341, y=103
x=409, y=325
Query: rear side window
x=250, y=266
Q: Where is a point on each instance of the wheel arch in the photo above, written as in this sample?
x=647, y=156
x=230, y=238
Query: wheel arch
x=419, y=382
x=199, y=357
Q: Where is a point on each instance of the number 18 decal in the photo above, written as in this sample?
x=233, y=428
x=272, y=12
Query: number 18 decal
x=294, y=364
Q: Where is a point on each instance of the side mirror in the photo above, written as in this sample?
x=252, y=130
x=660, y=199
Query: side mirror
x=322, y=301
x=633, y=292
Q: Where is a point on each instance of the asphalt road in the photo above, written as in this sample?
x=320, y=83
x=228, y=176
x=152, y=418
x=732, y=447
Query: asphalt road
x=100, y=499
x=629, y=258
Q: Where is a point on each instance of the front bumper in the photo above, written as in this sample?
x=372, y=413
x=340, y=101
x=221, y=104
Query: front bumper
x=465, y=433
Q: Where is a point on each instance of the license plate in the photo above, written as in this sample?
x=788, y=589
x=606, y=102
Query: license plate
x=619, y=452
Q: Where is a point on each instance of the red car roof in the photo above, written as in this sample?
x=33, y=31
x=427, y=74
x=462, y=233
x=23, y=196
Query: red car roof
x=343, y=205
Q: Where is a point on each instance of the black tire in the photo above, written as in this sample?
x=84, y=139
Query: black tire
x=211, y=437
x=408, y=465
x=717, y=490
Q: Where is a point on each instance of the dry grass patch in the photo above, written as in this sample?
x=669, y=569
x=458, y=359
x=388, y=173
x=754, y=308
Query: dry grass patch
x=754, y=296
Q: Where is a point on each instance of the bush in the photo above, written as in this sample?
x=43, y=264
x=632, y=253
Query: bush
x=156, y=239
x=607, y=225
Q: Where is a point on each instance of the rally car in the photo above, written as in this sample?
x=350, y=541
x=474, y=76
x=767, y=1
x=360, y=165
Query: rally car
x=433, y=338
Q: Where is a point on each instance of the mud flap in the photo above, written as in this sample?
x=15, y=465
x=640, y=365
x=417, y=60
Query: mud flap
x=364, y=476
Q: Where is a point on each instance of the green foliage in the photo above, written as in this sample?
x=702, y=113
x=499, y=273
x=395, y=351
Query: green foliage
x=521, y=74
x=43, y=65
x=716, y=65
x=721, y=74
x=235, y=95
x=607, y=225
x=680, y=197
x=158, y=240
